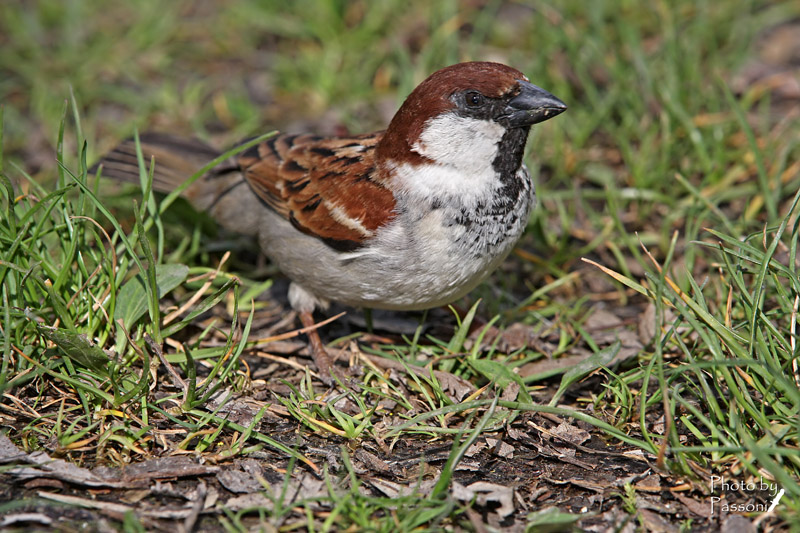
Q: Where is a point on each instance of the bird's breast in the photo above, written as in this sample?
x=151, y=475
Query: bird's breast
x=434, y=253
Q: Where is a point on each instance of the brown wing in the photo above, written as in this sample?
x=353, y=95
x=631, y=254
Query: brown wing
x=325, y=187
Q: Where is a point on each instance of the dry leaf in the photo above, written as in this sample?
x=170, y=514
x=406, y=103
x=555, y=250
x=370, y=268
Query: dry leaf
x=485, y=493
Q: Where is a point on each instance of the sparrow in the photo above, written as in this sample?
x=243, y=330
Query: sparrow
x=409, y=218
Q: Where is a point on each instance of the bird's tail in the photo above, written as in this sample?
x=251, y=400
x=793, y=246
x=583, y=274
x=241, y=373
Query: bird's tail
x=176, y=159
x=221, y=192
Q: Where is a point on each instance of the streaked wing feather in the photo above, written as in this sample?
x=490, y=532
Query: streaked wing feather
x=325, y=187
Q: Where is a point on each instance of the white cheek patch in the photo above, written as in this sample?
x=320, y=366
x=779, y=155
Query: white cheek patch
x=462, y=151
x=461, y=142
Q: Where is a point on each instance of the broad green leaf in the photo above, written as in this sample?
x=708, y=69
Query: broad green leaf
x=582, y=369
x=132, y=297
x=551, y=519
x=456, y=344
x=77, y=347
x=500, y=374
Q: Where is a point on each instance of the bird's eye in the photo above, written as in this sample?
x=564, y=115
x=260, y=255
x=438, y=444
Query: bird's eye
x=474, y=99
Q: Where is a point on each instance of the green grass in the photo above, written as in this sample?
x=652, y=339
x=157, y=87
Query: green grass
x=682, y=194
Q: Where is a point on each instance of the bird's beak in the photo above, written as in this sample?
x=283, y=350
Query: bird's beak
x=531, y=106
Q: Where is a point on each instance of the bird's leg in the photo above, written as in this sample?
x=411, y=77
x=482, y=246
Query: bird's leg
x=368, y=318
x=318, y=352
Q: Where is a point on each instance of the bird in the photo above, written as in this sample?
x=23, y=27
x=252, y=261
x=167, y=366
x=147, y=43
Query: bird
x=409, y=218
